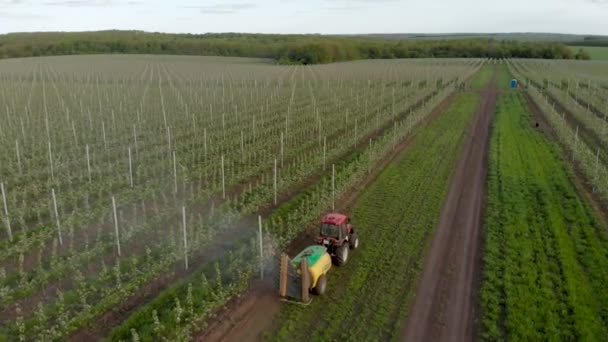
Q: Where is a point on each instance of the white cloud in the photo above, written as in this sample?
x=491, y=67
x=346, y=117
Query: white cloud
x=309, y=16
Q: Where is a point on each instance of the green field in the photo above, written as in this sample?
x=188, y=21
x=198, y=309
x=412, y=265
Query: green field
x=596, y=52
x=546, y=250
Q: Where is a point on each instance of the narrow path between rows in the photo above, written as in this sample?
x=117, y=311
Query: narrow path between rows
x=444, y=308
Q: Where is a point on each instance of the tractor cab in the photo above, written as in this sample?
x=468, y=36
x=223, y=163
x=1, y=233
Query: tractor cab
x=337, y=235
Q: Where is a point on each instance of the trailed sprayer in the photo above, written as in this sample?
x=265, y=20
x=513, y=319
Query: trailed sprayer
x=307, y=271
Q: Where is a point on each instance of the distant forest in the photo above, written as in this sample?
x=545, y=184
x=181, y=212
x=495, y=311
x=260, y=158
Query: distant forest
x=285, y=49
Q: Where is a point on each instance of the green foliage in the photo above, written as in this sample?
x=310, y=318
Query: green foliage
x=483, y=77
x=286, y=49
x=582, y=54
x=593, y=52
x=545, y=250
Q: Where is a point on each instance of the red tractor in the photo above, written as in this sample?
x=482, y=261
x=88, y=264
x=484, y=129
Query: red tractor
x=338, y=236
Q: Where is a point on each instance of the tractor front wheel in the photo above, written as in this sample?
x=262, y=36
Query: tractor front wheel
x=321, y=285
x=342, y=254
x=354, y=241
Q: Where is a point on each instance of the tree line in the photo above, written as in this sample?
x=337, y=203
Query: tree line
x=285, y=49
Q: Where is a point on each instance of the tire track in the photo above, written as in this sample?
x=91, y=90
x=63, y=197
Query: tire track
x=444, y=308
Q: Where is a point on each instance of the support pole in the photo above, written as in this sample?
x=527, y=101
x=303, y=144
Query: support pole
x=242, y=147
x=135, y=141
x=130, y=169
x=88, y=162
x=174, y=173
x=18, y=156
x=57, y=217
x=333, y=187
x=355, y=135
x=275, y=181
x=51, y=162
x=116, y=226
x=185, y=238
x=223, y=180
x=105, y=141
x=6, y=218
x=324, y=151
x=205, y=143
x=261, y=247
x=282, y=150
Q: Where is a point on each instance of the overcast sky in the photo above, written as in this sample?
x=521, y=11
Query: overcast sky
x=308, y=16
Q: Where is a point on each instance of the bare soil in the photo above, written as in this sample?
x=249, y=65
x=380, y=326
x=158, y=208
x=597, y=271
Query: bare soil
x=445, y=305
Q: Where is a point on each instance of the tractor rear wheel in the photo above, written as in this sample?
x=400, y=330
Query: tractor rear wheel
x=321, y=285
x=354, y=241
x=342, y=254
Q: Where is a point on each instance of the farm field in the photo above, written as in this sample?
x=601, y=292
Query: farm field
x=545, y=244
x=131, y=212
x=573, y=96
x=147, y=198
x=395, y=215
x=599, y=53
x=367, y=289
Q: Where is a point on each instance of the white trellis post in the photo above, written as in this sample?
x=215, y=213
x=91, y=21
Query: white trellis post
x=324, y=152
x=261, y=247
x=18, y=155
x=174, y=173
x=74, y=133
x=205, y=143
x=333, y=187
x=242, y=146
x=185, y=237
x=223, y=180
x=51, y=162
x=223, y=124
x=275, y=181
x=282, y=149
x=105, y=141
x=169, y=137
x=355, y=135
x=135, y=141
x=116, y=226
x=6, y=218
x=130, y=168
x=57, y=217
x=88, y=162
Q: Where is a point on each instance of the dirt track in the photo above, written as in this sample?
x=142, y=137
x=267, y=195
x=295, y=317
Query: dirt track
x=444, y=308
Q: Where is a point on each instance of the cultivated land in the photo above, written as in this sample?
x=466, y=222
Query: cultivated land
x=546, y=247
x=167, y=135
x=480, y=211
x=368, y=289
